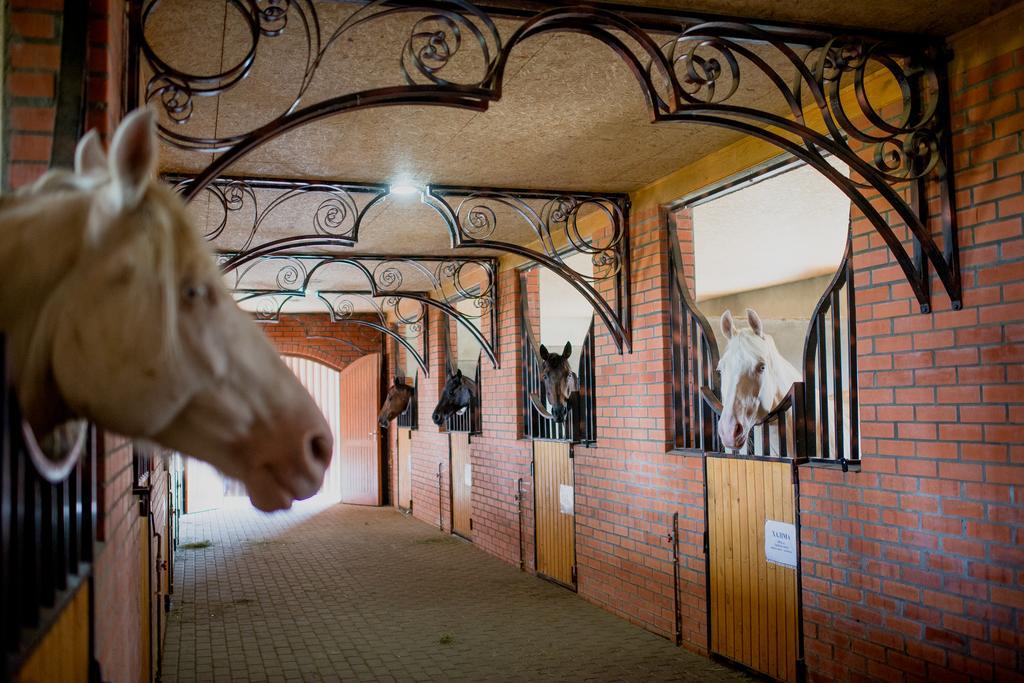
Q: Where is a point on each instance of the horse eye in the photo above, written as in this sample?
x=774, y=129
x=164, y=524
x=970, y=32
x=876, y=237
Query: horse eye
x=760, y=368
x=192, y=293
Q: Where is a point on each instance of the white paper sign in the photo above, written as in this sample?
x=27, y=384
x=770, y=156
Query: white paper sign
x=565, y=499
x=467, y=475
x=780, y=543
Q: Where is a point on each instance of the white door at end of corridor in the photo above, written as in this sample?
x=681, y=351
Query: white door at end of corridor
x=322, y=383
x=207, y=489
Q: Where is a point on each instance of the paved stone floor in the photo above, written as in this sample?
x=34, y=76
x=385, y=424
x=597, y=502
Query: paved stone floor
x=328, y=593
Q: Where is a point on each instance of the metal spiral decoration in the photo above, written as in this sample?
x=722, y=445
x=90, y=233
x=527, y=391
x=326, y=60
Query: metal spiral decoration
x=388, y=277
x=437, y=39
x=697, y=77
x=905, y=145
x=248, y=204
x=413, y=321
x=336, y=215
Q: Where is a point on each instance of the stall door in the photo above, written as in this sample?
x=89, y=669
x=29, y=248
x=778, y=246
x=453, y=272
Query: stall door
x=403, y=465
x=462, y=484
x=323, y=384
x=554, y=505
x=754, y=607
x=360, y=444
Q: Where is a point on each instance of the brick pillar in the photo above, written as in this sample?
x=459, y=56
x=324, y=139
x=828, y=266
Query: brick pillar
x=33, y=63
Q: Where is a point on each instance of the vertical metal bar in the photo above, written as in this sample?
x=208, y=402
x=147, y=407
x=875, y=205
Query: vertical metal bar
x=809, y=385
x=823, y=421
x=919, y=202
x=685, y=393
x=837, y=382
x=519, y=506
x=851, y=326
x=46, y=512
x=947, y=189
x=74, y=517
x=783, y=446
x=440, y=499
x=675, y=579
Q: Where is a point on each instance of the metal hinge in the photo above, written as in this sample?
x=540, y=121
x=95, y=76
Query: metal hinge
x=705, y=543
x=572, y=451
x=531, y=468
x=470, y=523
x=574, y=574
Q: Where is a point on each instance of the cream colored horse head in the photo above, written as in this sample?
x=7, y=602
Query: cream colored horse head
x=116, y=312
x=754, y=378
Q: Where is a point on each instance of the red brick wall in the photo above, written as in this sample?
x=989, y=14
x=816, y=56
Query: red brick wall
x=334, y=344
x=913, y=567
x=33, y=60
x=32, y=80
x=116, y=576
x=429, y=444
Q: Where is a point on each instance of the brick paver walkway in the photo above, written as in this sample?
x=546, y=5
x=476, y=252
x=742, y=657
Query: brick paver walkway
x=350, y=593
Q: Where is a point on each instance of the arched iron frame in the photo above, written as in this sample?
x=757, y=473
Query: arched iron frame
x=383, y=274
x=471, y=217
x=689, y=78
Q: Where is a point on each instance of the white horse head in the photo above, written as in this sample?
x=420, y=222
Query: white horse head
x=755, y=378
x=115, y=311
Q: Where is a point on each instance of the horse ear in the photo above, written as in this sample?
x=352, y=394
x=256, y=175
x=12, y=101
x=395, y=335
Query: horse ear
x=133, y=157
x=727, y=325
x=89, y=155
x=544, y=352
x=755, y=323
x=458, y=373
x=567, y=351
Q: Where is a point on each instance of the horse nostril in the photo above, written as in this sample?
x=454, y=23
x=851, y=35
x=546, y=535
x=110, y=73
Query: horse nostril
x=320, y=449
x=737, y=431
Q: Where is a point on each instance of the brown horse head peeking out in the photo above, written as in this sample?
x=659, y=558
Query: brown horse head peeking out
x=396, y=402
x=115, y=311
x=558, y=381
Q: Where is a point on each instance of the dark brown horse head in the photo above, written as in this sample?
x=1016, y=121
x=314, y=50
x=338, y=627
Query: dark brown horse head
x=396, y=402
x=558, y=381
x=456, y=396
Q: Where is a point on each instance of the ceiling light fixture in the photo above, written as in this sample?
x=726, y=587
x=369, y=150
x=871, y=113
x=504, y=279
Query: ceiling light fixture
x=402, y=189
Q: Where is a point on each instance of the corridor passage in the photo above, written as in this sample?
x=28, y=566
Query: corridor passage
x=328, y=593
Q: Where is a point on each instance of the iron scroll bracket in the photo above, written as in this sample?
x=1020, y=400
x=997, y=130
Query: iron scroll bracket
x=393, y=304
x=688, y=69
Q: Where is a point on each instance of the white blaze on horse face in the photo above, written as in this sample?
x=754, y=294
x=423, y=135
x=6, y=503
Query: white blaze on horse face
x=141, y=336
x=754, y=378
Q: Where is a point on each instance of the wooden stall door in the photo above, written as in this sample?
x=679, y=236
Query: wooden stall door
x=63, y=653
x=754, y=607
x=360, y=444
x=462, y=484
x=403, y=463
x=554, y=505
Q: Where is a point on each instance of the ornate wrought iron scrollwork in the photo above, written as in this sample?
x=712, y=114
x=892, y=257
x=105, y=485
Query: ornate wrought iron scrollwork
x=695, y=77
x=401, y=289
x=327, y=213
x=552, y=223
